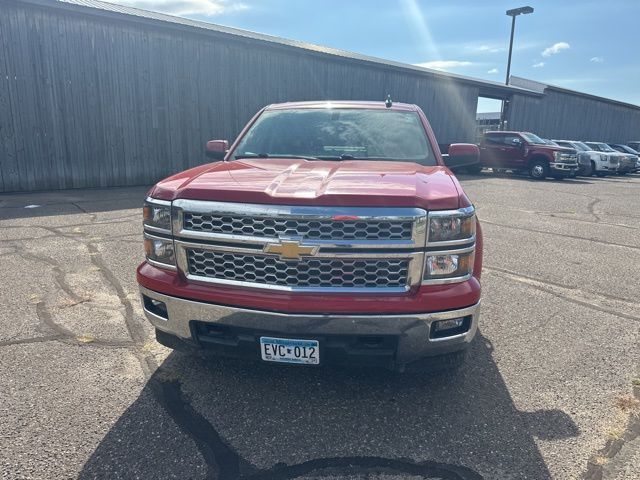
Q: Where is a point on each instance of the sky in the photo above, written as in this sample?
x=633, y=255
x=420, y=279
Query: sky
x=585, y=45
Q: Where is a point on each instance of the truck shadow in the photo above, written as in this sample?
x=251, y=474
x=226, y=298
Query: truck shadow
x=227, y=419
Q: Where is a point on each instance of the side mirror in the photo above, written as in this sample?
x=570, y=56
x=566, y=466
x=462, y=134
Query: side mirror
x=216, y=149
x=462, y=155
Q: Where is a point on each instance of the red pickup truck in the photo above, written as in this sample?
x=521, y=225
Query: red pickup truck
x=525, y=152
x=328, y=233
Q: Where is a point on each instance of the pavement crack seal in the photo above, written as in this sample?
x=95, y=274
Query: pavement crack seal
x=46, y=318
x=608, y=454
x=218, y=456
x=134, y=328
x=58, y=272
x=601, y=303
x=224, y=463
x=65, y=335
x=591, y=207
x=23, y=341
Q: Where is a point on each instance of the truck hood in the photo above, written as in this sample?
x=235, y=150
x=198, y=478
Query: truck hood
x=551, y=148
x=304, y=182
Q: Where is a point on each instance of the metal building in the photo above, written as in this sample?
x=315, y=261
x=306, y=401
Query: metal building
x=95, y=94
x=564, y=113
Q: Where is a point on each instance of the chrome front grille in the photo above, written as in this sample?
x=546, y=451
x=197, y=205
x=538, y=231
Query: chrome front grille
x=569, y=158
x=300, y=248
x=312, y=229
x=307, y=272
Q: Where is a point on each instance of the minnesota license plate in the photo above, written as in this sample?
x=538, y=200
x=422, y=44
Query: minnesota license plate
x=290, y=350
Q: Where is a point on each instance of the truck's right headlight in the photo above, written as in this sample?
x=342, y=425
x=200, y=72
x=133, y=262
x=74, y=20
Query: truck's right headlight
x=157, y=215
x=158, y=242
x=159, y=250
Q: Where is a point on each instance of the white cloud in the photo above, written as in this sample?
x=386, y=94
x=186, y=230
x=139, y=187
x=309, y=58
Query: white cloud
x=444, y=64
x=597, y=59
x=538, y=65
x=187, y=7
x=493, y=70
x=555, y=48
x=486, y=48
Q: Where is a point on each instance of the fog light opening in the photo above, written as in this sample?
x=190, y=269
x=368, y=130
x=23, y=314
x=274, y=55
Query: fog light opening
x=450, y=327
x=156, y=307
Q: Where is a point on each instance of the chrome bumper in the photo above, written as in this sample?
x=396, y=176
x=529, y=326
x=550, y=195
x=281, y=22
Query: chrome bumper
x=412, y=330
x=565, y=167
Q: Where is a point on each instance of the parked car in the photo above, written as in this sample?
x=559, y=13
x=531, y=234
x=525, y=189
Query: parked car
x=527, y=153
x=634, y=145
x=629, y=151
x=328, y=233
x=619, y=162
x=590, y=162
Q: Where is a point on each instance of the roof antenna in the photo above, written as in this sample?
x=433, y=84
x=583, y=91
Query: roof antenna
x=388, y=103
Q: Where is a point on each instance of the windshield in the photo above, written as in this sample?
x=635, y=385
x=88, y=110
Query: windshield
x=628, y=149
x=581, y=146
x=338, y=134
x=531, y=138
x=603, y=147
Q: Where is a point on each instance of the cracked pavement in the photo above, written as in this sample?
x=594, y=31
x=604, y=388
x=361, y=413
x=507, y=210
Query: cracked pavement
x=86, y=392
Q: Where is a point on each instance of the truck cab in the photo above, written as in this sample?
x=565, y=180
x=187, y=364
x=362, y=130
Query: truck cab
x=525, y=152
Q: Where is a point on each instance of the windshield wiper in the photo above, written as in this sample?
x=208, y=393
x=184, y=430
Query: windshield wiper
x=344, y=156
x=266, y=155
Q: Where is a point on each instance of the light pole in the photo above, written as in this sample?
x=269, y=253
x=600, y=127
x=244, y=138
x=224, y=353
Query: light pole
x=513, y=14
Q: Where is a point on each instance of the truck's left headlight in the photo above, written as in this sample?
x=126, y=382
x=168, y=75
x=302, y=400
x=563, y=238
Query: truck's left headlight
x=449, y=265
x=452, y=226
x=451, y=245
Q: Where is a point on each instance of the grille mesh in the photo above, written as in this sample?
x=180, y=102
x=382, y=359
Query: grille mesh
x=306, y=272
x=309, y=229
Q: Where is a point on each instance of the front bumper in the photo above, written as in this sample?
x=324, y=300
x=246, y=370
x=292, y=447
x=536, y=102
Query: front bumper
x=564, y=168
x=627, y=167
x=406, y=337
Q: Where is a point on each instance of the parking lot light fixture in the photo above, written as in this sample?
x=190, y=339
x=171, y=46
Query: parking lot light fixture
x=513, y=13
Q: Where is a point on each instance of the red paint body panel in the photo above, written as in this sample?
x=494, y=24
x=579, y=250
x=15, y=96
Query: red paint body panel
x=432, y=298
x=303, y=182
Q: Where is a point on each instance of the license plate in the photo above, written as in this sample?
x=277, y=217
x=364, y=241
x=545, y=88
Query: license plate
x=290, y=350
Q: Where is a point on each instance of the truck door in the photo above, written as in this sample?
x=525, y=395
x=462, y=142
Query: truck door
x=490, y=149
x=512, y=152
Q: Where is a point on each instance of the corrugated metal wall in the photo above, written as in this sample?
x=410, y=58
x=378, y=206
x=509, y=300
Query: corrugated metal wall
x=562, y=115
x=88, y=102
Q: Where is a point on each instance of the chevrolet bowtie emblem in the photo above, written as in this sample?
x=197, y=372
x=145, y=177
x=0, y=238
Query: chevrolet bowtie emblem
x=290, y=249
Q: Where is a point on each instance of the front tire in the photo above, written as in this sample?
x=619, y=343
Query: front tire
x=539, y=169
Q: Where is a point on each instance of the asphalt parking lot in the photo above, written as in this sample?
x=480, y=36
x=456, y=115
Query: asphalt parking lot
x=86, y=392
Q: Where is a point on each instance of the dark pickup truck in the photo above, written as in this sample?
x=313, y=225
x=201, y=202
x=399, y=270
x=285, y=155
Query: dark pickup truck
x=525, y=152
